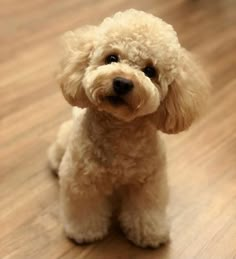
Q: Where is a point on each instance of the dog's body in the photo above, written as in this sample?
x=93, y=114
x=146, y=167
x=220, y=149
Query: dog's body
x=112, y=159
x=112, y=147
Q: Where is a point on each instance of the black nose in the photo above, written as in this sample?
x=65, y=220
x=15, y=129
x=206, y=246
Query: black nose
x=122, y=86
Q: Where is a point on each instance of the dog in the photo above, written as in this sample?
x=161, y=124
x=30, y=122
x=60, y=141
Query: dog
x=129, y=78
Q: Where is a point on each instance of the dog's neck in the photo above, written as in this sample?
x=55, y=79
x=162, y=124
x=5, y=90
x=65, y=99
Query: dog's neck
x=109, y=133
x=107, y=121
x=116, y=140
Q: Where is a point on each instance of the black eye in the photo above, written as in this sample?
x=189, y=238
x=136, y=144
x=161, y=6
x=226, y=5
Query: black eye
x=150, y=71
x=111, y=59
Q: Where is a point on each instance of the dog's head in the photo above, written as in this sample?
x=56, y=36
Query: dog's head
x=132, y=65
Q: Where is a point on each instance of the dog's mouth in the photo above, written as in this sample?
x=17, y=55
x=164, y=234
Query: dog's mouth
x=116, y=100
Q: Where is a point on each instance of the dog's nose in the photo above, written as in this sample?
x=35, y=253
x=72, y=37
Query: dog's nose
x=122, y=85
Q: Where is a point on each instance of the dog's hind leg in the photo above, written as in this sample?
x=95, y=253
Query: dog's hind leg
x=57, y=149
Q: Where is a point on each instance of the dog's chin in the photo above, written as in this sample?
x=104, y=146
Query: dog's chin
x=119, y=107
x=125, y=108
x=116, y=101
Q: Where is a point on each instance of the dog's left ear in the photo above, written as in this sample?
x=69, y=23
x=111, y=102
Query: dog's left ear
x=78, y=45
x=186, y=97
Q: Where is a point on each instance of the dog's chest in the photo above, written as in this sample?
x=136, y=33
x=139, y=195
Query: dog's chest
x=116, y=155
x=124, y=156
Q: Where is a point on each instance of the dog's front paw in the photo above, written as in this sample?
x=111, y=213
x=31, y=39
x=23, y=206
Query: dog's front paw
x=145, y=230
x=86, y=234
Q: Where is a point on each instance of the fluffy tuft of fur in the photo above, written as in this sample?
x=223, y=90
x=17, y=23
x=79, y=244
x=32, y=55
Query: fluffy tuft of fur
x=186, y=97
x=113, y=149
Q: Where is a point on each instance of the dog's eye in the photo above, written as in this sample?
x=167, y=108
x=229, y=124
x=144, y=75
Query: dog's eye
x=150, y=71
x=111, y=59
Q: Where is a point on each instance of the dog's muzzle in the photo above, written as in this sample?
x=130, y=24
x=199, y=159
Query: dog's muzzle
x=122, y=86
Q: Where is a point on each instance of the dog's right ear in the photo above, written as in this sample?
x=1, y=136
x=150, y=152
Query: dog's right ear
x=78, y=45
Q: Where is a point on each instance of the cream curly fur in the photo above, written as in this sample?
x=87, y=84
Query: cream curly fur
x=109, y=150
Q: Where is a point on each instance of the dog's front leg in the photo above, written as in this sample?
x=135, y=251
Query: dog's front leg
x=143, y=213
x=85, y=212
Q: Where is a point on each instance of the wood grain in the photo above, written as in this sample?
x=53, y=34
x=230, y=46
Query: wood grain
x=202, y=162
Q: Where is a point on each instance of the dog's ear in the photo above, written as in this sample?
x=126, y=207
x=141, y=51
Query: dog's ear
x=186, y=97
x=78, y=45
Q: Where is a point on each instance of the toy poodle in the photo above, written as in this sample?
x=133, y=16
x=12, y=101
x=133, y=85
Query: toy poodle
x=133, y=79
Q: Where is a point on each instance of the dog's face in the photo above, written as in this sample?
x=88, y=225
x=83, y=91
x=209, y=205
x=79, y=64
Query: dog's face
x=127, y=67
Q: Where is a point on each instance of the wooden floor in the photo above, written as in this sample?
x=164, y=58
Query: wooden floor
x=202, y=161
